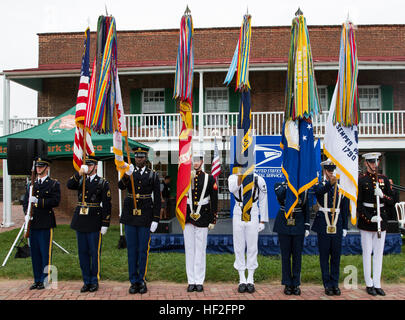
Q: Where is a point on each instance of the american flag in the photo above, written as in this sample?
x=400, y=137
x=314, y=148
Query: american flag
x=216, y=162
x=81, y=117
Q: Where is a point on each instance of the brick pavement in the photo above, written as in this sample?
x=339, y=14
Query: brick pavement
x=111, y=290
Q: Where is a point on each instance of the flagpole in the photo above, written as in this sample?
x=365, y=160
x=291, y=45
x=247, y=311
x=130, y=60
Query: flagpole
x=131, y=176
x=84, y=162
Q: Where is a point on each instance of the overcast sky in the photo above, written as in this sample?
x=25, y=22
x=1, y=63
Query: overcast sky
x=24, y=19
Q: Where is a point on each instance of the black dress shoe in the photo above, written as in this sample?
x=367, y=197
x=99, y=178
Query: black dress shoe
x=40, y=286
x=142, y=288
x=296, y=290
x=250, y=287
x=379, y=291
x=288, y=290
x=85, y=288
x=191, y=288
x=242, y=288
x=371, y=291
x=134, y=288
x=93, y=287
x=34, y=286
x=336, y=291
x=329, y=291
x=199, y=288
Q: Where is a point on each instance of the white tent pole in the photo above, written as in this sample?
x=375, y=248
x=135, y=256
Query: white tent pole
x=6, y=177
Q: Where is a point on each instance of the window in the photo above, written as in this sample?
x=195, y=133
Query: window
x=216, y=100
x=370, y=97
x=323, y=97
x=153, y=103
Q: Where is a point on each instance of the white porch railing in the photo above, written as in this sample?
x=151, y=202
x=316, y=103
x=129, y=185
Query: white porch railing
x=374, y=124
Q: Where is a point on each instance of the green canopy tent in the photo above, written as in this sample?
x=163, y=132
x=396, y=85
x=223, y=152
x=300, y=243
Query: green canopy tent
x=59, y=133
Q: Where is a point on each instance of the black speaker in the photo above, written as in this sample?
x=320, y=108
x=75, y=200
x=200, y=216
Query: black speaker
x=21, y=153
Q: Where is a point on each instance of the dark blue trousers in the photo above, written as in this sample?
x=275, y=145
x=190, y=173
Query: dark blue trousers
x=89, y=247
x=138, y=240
x=41, y=252
x=330, y=248
x=291, y=256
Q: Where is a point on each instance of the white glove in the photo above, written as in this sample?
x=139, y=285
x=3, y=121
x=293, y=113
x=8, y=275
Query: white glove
x=376, y=219
x=104, y=230
x=27, y=218
x=306, y=233
x=211, y=226
x=33, y=199
x=261, y=227
x=84, y=168
x=130, y=170
x=153, y=226
x=344, y=233
x=378, y=192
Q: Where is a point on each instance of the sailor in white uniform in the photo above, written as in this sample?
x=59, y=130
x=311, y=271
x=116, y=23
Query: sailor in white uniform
x=246, y=233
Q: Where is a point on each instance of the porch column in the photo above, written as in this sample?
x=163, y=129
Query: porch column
x=6, y=178
x=201, y=110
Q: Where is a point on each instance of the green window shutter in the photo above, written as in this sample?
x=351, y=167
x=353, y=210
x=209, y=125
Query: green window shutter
x=135, y=102
x=234, y=101
x=387, y=98
x=172, y=172
x=196, y=100
x=392, y=166
x=330, y=94
x=170, y=103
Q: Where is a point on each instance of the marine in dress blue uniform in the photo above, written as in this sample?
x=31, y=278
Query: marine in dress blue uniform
x=371, y=187
x=45, y=197
x=91, y=220
x=291, y=237
x=331, y=228
x=143, y=220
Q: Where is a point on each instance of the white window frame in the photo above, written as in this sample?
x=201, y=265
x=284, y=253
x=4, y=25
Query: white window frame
x=379, y=102
x=145, y=111
x=211, y=115
x=327, y=106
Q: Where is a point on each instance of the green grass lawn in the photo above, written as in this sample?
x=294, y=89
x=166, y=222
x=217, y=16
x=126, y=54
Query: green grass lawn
x=171, y=266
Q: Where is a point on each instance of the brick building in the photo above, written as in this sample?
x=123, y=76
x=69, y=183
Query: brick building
x=146, y=63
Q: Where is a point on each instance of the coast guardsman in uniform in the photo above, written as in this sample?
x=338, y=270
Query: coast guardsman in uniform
x=45, y=197
x=374, y=195
x=202, y=207
x=291, y=232
x=331, y=223
x=246, y=233
x=91, y=220
x=140, y=217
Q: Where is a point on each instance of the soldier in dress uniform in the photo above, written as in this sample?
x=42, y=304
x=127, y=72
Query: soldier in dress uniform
x=246, y=233
x=91, y=220
x=45, y=197
x=291, y=233
x=331, y=223
x=373, y=197
x=140, y=221
x=202, y=206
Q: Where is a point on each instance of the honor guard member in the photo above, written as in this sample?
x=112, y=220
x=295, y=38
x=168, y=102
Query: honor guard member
x=91, y=220
x=373, y=197
x=331, y=225
x=246, y=233
x=141, y=220
x=202, y=206
x=291, y=233
x=45, y=197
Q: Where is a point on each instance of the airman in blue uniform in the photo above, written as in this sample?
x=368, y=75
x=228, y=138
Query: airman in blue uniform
x=45, y=197
x=291, y=232
x=330, y=224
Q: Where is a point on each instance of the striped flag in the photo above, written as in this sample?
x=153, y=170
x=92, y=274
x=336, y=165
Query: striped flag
x=216, y=162
x=82, y=107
